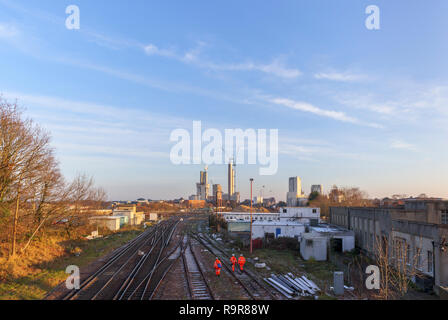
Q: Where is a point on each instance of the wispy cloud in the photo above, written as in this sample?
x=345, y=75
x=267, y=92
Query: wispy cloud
x=193, y=56
x=8, y=30
x=339, y=76
x=153, y=50
x=407, y=102
x=367, y=102
x=401, y=145
x=276, y=68
x=307, y=107
x=81, y=128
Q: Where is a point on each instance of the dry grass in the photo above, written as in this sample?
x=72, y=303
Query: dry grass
x=42, y=267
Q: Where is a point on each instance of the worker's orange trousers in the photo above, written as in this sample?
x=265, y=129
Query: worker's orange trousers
x=241, y=267
x=218, y=272
x=233, y=267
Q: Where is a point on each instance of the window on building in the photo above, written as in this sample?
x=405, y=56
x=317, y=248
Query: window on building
x=284, y=210
x=430, y=260
x=408, y=255
x=419, y=259
x=444, y=217
x=401, y=250
x=314, y=210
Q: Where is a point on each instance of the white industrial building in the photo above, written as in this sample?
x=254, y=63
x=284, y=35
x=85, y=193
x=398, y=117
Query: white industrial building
x=288, y=222
x=154, y=216
x=277, y=229
x=305, y=215
x=245, y=216
x=112, y=223
x=315, y=243
x=297, y=214
x=134, y=217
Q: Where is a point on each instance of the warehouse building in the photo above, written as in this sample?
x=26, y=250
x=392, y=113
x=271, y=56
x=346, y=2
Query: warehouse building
x=316, y=242
x=112, y=223
x=419, y=227
x=276, y=229
x=134, y=217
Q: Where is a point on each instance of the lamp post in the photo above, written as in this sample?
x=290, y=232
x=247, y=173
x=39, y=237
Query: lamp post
x=251, y=183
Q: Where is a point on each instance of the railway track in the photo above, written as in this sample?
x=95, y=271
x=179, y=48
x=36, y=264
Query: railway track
x=135, y=287
x=254, y=288
x=197, y=283
x=112, y=267
x=127, y=273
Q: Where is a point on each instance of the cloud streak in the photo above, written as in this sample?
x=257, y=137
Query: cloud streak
x=276, y=67
x=307, y=107
x=401, y=145
x=8, y=30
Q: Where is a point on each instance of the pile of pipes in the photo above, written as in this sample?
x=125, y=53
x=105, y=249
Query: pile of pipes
x=290, y=285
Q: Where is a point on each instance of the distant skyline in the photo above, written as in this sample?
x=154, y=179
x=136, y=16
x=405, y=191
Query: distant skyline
x=354, y=107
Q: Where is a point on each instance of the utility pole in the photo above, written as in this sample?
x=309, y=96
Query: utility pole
x=251, y=183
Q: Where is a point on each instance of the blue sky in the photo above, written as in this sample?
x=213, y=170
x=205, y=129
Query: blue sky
x=354, y=107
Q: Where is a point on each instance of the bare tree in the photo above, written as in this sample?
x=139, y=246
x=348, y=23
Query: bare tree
x=25, y=152
x=32, y=189
x=82, y=197
x=398, y=264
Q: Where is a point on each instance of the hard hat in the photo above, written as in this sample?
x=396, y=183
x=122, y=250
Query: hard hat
x=217, y=258
x=233, y=254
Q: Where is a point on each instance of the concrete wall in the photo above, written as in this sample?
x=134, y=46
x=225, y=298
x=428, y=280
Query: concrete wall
x=111, y=224
x=348, y=242
x=139, y=218
x=129, y=214
x=288, y=231
x=418, y=223
x=238, y=226
x=232, y=216
x=300, y=212
x=312, y=246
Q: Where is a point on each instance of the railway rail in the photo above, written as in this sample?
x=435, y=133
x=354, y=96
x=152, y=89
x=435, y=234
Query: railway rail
x=197, y=283
x=255, y=289
x=127, y=274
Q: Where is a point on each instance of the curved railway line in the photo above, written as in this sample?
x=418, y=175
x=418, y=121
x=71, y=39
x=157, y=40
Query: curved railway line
x=137, y=270
x=128, y=273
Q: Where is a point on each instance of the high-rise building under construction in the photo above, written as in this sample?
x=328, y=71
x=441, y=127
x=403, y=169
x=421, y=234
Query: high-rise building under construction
x=203, y=187
x=231, y=179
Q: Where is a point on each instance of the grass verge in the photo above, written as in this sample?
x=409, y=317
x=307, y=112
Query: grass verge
x=33, y=275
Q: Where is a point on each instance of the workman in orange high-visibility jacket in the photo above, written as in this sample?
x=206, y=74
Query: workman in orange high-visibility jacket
x=241, y=261
x=233, y=261
x=217, y=266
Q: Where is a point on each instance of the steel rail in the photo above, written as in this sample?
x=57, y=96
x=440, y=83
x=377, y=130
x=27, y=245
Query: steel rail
x=168, y=269
x=121, y=268
x=147, y=280
x=247, y=272
x=200, y=271
x=131, y=277
x=116, y=256
x=201, y=241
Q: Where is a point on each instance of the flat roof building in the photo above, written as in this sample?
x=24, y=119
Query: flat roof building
x=420, y=227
